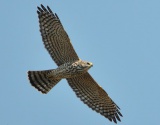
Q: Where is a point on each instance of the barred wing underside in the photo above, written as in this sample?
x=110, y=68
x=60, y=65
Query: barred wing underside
x=94, y=96
x=55, y=38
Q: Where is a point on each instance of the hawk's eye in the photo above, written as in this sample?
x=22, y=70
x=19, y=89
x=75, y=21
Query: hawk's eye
x=88, y=63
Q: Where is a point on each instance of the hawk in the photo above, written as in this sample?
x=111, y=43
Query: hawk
x=70, y=67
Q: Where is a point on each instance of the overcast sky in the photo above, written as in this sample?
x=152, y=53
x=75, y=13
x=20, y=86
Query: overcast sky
x=120, y=37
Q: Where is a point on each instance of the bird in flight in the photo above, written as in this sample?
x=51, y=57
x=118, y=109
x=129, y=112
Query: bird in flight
x=70, y=67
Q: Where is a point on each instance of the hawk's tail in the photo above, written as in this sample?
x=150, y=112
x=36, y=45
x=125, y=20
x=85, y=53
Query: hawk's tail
x=41, y=81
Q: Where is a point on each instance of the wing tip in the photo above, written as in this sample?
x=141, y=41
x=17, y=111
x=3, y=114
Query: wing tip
x=42, y=8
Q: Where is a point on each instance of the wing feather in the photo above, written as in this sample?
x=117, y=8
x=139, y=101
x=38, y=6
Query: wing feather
x=54, y=37
x=94, y=96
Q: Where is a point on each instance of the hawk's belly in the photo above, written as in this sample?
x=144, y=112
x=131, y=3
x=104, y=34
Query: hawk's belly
x=71, y=69
x=68, y=72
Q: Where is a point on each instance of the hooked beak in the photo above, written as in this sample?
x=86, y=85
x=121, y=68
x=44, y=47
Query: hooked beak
x=91, y=64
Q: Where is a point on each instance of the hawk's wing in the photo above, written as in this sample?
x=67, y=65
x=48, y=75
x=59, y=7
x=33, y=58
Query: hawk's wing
x=94, y=96
x=55, y=38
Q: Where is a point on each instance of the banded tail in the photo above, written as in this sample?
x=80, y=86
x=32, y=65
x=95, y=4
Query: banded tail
x=41, y=81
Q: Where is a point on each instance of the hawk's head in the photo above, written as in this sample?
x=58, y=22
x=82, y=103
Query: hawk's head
x=82, y=65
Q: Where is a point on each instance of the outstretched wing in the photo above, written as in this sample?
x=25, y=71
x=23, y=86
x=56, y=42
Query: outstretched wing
x=55, y=38
x=94, y=96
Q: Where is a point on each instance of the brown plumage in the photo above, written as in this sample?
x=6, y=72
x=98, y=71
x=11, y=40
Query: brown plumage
x=58, y=44
x=54, y=37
